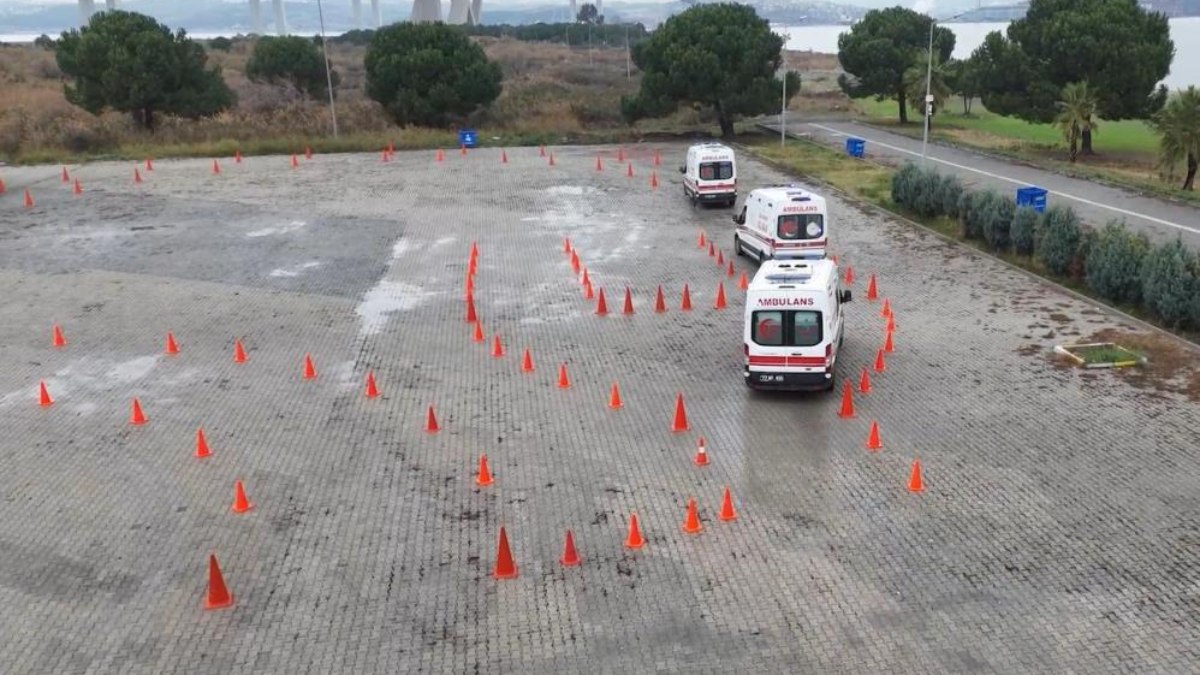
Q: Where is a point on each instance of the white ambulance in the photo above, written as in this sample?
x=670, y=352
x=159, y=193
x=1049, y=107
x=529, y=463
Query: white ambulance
x=710, y=174
x=794, y=325
x=782, y=222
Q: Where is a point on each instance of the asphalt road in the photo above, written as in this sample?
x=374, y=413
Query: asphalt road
x=1057, y=531
x=1095, y=203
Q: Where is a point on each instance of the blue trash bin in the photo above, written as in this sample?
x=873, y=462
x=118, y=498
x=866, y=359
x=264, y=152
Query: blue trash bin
x=855, y=147
x=1032, y=196
x=466, y=138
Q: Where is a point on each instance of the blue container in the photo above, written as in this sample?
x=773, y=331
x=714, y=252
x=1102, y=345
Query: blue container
x=855, y=147
x=466, y=138
x=1032, y=196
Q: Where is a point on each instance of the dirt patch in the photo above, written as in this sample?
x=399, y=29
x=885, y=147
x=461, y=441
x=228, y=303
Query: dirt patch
x=1172, y=366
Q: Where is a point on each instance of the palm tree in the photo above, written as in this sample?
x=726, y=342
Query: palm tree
x=1179, y=124
x=914, y=83
x=1076, y=115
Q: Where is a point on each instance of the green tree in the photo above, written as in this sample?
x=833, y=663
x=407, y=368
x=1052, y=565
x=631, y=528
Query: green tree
x=429, y=73
x=44, y=41
x=220, y=43
x=589, y=14
x=879, y=50
x=962, y=77
x=1121, y=49
x=915, y=83
x=1076, y=115
x=720, y=55
x=131, y=63
x=1169, y=283
x=292, y=60
x=1179, y=124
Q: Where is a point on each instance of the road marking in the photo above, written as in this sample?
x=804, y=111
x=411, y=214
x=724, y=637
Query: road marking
x=1081, y=200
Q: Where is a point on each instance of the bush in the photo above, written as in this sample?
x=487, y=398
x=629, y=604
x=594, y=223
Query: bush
x=1169, y=283
x=1023, y=230
x=902, y=184
x=429, y=74
x=950, y=192
x=1113, y=264
x=965, y=202
x=223, y=44
x=977, y=213
x=293, y=60
x=997, y=222
x=927, y=198
x=1058, y=237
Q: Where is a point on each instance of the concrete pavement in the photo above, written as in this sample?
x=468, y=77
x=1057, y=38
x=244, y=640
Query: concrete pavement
x=1095, y=203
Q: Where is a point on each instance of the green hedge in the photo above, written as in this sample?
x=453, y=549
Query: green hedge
x=1114, y=263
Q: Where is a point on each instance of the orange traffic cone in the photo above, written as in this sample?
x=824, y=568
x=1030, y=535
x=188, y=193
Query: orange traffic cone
x=552, y=159
x=680, y=422
x=135, y=414
x=383, y=156
x=873, y=442
x=634, y=539
x=729, y=270
x=566, y=245
x=915, y=482
x=372, y=391
x=628, y=309
x=237, y=156
x=864, y=382
x=847, y=409
x=295, y=163
x=660, y=304
x=310, y=371
x=601, y=305
x=629, y=170
x=887, y=342
x=614, y=397
x=686, y=303
x=28, y=199
x=216, y=168
x=541, y=151
x=720, y=259
x=77, y=188
x=700, y=241
x=621, y=154
x=56, y=337
x=431, y=422
x=3, y=188
x=586, y=279
x=218, y=595
x=743, y=282
x=497, y=348
x=202, y=450
x=137, y=175
x=599, y=165
x=564, y=382
x=880, y=366
x=484, y=477
x=472, y=317
x=307, y=153
x=505, y=567
x=503, y=157
x=720, y=303
x=872, y=291
x=727, y=512
x=701, y=453
x=886, y=311
x=653, y=180
x=574, y=262
x=44, y=399
x=478, y=337
x=657, y=159
x=66, y=178
x=570, y=557
x=587, y=291
x=475, y=250
x=527, y=362
x=240, y=503
x=149, y=164
x=849, y=275
x=891, y=322
x=691, y=523
x=172, y=348
x=712, y=250
x=239, y=353
x=391, y=147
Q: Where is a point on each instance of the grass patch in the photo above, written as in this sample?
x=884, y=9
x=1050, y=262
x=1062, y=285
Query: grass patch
x=1105, y=353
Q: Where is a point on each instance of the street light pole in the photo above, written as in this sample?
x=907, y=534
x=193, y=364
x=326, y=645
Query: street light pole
x=783, y=96
x=328, y=72
x=928, y=91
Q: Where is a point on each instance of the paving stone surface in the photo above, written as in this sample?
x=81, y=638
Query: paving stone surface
x=1058, y=532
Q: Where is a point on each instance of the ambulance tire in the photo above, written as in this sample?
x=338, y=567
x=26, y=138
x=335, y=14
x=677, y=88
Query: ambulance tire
x=737, y=246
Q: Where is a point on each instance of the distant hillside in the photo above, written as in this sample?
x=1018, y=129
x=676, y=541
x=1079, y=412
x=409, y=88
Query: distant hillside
x=232, y=18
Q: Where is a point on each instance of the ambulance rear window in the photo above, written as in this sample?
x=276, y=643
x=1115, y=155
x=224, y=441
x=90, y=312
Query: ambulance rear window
x=799, y=328
x=801, y=226
x=716, y=171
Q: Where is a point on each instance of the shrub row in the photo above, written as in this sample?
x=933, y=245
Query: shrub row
x=1114, y=263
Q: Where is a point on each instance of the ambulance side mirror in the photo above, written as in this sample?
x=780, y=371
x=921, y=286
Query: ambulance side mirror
x=846, y=297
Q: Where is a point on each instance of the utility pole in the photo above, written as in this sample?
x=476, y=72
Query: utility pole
x=628, y=68
x=928, y=92
x=328, y=72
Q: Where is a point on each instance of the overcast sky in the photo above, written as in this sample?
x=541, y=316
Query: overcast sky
x=925, y=4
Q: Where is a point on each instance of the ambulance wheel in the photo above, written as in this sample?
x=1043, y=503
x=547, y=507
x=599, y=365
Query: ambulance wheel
x=737, y=246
